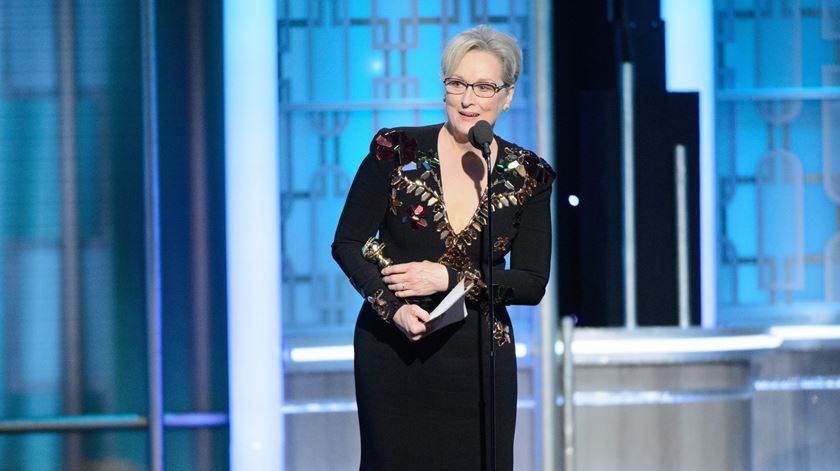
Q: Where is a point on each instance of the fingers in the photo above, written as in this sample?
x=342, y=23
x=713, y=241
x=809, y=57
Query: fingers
x=397, y=268
x=417, y=320
x=401, y=283
x=416, y=278
x=403, y=291
x=400, y=288
x=422, y=316
x=411, y=320
x=416, y=330
x=396, y=284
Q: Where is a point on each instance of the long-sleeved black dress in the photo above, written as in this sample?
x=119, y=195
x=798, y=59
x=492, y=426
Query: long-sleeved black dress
x=422, y=405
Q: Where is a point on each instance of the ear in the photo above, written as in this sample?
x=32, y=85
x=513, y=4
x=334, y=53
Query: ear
x=510, y=91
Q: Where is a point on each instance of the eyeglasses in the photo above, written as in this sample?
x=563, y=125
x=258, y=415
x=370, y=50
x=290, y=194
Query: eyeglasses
x=481, y=89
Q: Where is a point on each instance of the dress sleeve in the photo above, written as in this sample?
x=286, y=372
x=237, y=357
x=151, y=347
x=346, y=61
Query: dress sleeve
x=363, y=213
x=530, y=253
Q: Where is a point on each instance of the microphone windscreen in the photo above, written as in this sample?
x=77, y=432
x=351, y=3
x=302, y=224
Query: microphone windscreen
x=480, y=134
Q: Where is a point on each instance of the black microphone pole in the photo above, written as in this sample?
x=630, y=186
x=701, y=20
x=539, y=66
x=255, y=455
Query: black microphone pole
x=481, y=134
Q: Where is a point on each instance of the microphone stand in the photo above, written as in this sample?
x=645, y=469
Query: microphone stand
x=485, y=150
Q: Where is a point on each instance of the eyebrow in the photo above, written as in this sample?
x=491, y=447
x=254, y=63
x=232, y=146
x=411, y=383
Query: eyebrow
x=481, y=80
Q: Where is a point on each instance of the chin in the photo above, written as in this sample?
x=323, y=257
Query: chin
x=463, y=126
x=462, y=129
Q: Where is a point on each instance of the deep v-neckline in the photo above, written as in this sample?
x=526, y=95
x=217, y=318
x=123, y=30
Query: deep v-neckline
x=472, y=220
x=482, y=199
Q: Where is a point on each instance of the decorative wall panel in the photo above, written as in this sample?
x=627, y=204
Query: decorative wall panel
x=778, y=108
x=346, y=70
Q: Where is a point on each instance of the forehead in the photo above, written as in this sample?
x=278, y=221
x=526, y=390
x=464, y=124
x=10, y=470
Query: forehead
x=479, y=65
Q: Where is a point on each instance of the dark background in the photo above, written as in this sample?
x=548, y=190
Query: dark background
x=591, y=40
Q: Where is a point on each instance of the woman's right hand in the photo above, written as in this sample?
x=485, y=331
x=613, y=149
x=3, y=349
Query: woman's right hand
x=411, y=320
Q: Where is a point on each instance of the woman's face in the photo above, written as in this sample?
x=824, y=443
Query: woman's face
x=463, y=111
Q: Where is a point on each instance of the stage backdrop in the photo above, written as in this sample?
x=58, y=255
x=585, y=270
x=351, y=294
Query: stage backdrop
x=346, y=70
x=778, y=161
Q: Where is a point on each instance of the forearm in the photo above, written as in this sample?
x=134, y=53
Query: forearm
x=360, y=219
x=530, y=257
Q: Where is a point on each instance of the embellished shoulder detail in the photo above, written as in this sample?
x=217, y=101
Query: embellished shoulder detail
x=523, y=169
x=396, y=145
x=401, y=146
x=524, y=163
x=414, y=174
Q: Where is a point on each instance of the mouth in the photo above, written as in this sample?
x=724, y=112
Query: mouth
x=468, y=114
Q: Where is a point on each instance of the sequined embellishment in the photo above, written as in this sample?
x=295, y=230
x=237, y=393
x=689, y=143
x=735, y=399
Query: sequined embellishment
x=391, y=144
x=380, y=305
x=414, y=214
x=502, y=245
x=395, y=202
x=518, y=161
x=417, y=176
x=428, y=160
x=501, y=333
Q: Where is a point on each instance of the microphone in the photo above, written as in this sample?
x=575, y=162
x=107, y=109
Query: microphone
x=481, y=134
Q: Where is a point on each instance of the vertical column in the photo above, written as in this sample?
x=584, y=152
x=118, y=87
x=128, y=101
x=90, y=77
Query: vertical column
x=546, y=379
x=628, y=162
x=154, y=340
x=253, y=235
x=690, y=45
x=71, y=323
x=568, y=329
x=199, y=233
x=681, y=204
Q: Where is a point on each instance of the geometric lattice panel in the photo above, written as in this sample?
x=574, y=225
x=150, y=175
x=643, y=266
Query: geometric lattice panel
x=346, y=70
x=778, y=161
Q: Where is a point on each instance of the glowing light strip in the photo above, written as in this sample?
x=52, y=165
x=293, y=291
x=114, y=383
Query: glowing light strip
x=253, y=236
x=782, y=93
x=582, y=398
x=650, y=345
x=807, y=332
x=623, y=397
x=318, y=354
x=810, y=383
x=345, y=353
x=333, y=407
x=672, y=345
x=319, y=407
x=645, y=397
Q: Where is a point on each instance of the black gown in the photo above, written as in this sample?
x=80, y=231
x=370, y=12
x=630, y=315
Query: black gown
x=422, y=405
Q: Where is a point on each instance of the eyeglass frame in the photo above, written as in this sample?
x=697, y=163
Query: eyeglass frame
x=497, y=88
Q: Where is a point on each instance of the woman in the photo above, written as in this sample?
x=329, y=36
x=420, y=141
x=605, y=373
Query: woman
x=422, y=398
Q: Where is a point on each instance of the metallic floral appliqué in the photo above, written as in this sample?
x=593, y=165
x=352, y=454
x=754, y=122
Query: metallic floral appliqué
x=414, y=215
x=391, y=144
x=502, y=245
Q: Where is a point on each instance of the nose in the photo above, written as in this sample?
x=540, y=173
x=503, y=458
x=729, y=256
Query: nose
x=468, y=97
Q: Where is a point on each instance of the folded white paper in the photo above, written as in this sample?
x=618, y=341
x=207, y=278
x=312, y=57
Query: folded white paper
x=452, y=309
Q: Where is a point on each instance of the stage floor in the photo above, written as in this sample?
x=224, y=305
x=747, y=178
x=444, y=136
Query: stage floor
x=646, y=399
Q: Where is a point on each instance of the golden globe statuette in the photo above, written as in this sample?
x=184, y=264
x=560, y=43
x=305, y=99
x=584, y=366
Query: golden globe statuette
x=373, y=250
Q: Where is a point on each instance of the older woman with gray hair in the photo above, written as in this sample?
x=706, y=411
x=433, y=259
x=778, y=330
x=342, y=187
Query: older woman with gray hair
x=423, y=391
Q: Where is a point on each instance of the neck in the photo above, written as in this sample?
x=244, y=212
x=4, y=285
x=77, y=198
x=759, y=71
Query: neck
x=459, y=142
x=455, y=147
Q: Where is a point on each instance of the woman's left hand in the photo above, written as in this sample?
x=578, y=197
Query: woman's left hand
x=416, y=278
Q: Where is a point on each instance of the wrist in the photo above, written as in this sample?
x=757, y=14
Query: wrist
x=382, y=307
x=451, y=278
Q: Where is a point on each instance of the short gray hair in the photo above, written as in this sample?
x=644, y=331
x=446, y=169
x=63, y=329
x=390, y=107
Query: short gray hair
x=484, y=38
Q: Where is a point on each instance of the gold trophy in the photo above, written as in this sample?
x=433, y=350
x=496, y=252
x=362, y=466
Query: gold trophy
x=373, y=250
